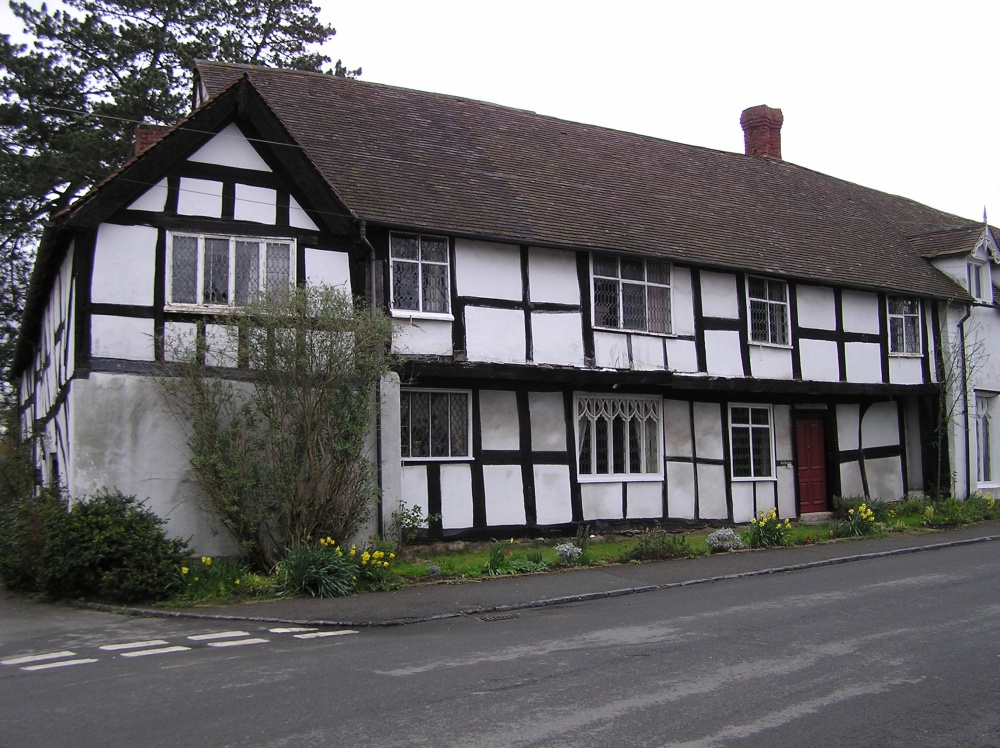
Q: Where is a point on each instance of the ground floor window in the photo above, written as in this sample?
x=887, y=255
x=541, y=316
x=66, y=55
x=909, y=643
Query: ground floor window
x=618, y=436
x=751, y=441
x=985, y=472
x=434, y=423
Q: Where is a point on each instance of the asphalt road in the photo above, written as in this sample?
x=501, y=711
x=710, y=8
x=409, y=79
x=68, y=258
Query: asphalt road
x=894, y=651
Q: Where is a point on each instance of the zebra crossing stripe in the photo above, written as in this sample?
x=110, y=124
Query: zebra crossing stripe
x=161, y=650
x=62, y=663
x=238, y=642
x=323, y=634
x=219, y=635
x=291, y=630
x=133, y=645
x=37, y=658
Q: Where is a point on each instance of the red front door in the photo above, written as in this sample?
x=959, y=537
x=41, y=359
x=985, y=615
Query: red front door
x=811, y=464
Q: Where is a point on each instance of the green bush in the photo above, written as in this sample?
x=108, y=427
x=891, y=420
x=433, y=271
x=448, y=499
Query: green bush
x=25, y=525
x=658, y=545
x=860, y=521
x=767, y=530
x=207, y=578
x=316, y=570
x=881, y=511
x=112, y=548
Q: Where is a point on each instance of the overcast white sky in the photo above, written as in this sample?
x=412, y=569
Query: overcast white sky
x=899, y=96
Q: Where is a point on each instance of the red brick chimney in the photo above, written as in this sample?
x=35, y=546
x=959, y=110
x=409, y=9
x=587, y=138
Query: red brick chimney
x=147, y=134
x=762, y=131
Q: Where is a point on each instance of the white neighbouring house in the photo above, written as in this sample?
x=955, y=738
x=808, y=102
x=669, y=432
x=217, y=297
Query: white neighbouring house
x=593, y=325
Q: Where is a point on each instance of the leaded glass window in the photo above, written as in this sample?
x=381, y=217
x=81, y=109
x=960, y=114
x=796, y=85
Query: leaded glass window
x=751, y=441
x=434, y=424
x=631, y=293
x=904, y=325
x=227, y=270
x=768, y=311
x=618, y=436
x=984, y=438
x=420, y=273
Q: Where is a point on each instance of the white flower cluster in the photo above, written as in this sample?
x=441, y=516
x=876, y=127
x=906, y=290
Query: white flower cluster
x=568, y=552
x=724, y=539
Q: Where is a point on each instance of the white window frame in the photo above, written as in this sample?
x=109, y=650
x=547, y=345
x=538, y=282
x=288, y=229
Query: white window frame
x=644, y=283
x=200, y=304
x=420, y=263
x=770, y=307
x=904, y=318
x=756, y=471
x=600, y=410
x=407, y=423
x=986, y=464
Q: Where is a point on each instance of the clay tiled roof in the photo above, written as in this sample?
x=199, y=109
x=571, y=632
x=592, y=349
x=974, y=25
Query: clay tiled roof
x=420, y=160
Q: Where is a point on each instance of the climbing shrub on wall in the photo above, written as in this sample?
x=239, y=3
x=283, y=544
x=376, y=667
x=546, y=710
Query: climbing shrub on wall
x=278, y=399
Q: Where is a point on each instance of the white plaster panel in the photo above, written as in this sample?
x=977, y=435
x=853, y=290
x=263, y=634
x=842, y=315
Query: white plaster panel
x=601, y=500
x=708, y=436
x=786, y=491
x=885, y=478
x=257, y=204
x=495, y=335
x=847, y=427
x=456, y=496
x=154, y=199
x=647, y=352
x=298, y=217
x=850, y=480
x=498, y=420
x=860, y=311
x=712, y=492
x=124, y=263
x=766, y=498
x=504, y=495
x=880, y=426
x=422, y=336
x=768, y=362
x=414, y=487
x=906, y=370
x=611, y=350
x=782, y=425
x=229, y=147
x=124, y=436
x=718, y=295
x=644, y=500
x=553, y=499
x=328, y=268
x=818, y=359
x=816, y=307
x=681, y=302
x=488, y=270
x=179, y=340
x=552, y=276
x=387, y=431
x=199, y=197
x=121, y=337
x=680, y=490
x=863, y=362
x=220, y=346
x=743, y=502
x=682, y=355
x=557, y=338
x=722, y=353
x=548, y=421
x=677, y=438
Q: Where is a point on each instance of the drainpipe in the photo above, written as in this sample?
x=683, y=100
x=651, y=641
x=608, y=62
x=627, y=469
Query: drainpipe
x=965, y=395
x=379, y=523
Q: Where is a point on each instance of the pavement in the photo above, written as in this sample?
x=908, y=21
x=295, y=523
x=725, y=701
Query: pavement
x=501, y=595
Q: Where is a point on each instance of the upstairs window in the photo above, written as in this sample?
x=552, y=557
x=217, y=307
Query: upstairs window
x=768, y=311
x=434, y=424
x=904, y=326
x=751, y=441
x=631, y=293
x=420, y=273
x=226, y=270
x=618, y=437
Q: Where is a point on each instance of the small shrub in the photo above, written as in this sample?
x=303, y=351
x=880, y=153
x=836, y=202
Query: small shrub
x=408, y=521
x=724, y=539
x=859, y=522
x=657, y=545
x=766, y=530
x=569, y=553
x=499, y=560
x=109, y=547
x=881, y=511
x=315, y=570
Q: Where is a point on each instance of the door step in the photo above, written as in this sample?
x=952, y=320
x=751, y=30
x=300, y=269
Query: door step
x=815, y=518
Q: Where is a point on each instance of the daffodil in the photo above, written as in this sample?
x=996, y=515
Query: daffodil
x=184, y=570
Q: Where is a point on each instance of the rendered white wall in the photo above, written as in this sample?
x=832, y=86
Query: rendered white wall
x=863, y=362
x=199, y=197
x=722, y=353
x=712, y=491
x=885, y=478
x=682, y=355
x=718, y=295
x=495, y=335
x=414, y=487
x=498, y=419
x=552, y=276
x=816, y=307
x=488, y=270
x=611, y=350
x=743, y=503
x=388, y=428
x=680, y=490
x=229, y=147
x=298, y=217
x=504, y=495
x=422, y=336
x=860, y=312
x=121, y=337
x=601, y=500
x=456, y=495
x=681, y=302
x=324, y=267
x=645, y=500
x=255, y=204
x=768, y=362
x=880, y=426
x=154, y=199
x=906, y=370
x=677, y=438
x=848, y=421
x=557, y=338
x=124, y=263
x=708, y=430
x=647, y=353
x=548, y=421
x=818, y=360
x=553, y=499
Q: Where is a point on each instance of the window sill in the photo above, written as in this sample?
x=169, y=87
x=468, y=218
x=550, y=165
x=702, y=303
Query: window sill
x=762, y=479
x=624, y=331
x=764, y=344
x=411, y=314
x=621, y=478
x=406, y=460
x=905, y=355
x=219, y=309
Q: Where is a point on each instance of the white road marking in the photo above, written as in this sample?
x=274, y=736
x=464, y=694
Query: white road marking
x=37, y=658
x=291, y=630
x=321, y=634
x=63, y=663
x=238, y=642
x=133, y=645
x=162, y=650
x=219, y=635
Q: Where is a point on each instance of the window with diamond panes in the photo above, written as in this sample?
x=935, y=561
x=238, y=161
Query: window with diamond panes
x=768, y=311
x=631, y=293
x=618, y=436
x=904, y=325
x=218, y=270
x=419, y=273
x=434, y=424
x=751, y=441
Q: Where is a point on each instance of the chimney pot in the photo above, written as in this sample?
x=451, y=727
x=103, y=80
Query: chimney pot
x=762, y=131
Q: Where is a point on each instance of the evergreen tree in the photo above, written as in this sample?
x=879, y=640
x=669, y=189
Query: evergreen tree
x=71, y=97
